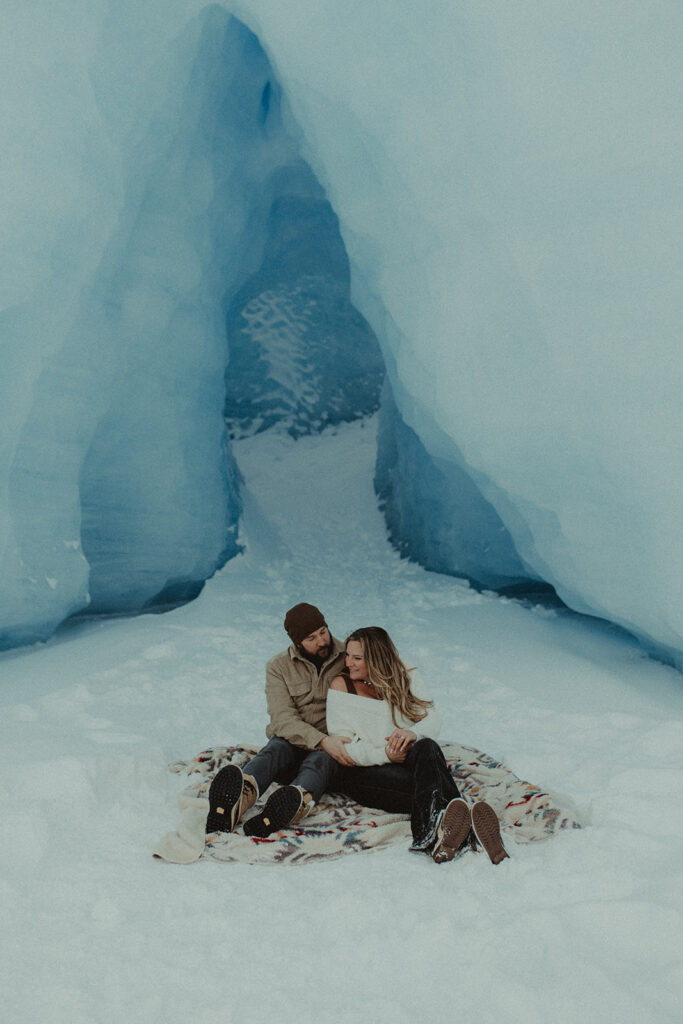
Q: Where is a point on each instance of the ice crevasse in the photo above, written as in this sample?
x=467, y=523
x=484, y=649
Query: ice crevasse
x=506, y=178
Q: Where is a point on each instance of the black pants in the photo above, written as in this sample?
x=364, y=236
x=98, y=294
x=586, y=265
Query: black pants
x=421, y=786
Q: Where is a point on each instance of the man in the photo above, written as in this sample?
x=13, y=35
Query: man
x=299, y=755
x=307, y=762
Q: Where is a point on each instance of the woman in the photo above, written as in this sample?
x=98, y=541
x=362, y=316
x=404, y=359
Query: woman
x=385, y=711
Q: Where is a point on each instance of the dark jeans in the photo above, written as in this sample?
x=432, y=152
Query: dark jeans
x=280, y=761
x=421, y=786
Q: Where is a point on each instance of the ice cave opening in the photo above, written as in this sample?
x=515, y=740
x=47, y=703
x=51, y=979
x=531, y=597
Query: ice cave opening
x=302, y=357
x=222, y=295
x=221, y=228
x=297, y=354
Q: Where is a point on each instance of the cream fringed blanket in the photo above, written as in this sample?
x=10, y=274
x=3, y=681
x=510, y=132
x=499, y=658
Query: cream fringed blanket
x=337, y=826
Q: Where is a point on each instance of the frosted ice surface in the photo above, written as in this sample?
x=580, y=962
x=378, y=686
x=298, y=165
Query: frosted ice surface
x=508, y=191
x=507, y=188
x=189, y=205
x=113, y=429
x=435, y=513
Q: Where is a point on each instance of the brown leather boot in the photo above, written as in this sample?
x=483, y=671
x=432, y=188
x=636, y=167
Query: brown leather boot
x=287, y=806
x=487, y=830
x=453, y=831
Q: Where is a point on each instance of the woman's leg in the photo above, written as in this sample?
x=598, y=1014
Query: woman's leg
x=433, y=788
x=421, y=786
x=389, y=787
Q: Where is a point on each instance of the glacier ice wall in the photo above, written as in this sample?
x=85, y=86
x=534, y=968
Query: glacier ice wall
x=118, y=484
x=507, y=182
x=506, y=179
x=151, y=194
x=437, y=515
x=136, y=196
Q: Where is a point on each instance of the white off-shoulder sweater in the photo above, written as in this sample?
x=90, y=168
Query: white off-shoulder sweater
x=368, y=722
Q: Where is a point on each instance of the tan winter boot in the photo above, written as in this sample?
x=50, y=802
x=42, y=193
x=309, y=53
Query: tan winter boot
x=287, y=806
x=231, y=794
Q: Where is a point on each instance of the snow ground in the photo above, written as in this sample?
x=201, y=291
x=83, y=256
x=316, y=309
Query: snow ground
x=586, y=927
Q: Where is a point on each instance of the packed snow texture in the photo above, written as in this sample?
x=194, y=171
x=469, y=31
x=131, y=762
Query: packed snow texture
x=583, y=928
x=506, y=179
x=301, y=356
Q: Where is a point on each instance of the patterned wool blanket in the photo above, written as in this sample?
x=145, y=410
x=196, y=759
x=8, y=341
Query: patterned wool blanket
x=337, y=825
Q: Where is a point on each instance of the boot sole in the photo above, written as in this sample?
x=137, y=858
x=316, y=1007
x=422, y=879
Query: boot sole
x=487, y=830
x=277, y=813
x=455, y=828
x=224, y=797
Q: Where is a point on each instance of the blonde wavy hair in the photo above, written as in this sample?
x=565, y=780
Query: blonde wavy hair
x=388, y=674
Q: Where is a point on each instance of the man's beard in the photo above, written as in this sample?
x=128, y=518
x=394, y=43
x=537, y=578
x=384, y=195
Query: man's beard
x=318, y=658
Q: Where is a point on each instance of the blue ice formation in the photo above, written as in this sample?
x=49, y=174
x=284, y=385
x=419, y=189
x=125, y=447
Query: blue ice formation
x=197, y=257
x=119, y=488
x=301, y=356
x=508, y=203
x=435, y=513
x=507, y=189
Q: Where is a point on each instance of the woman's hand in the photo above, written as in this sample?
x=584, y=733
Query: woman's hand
x=399, y=743
x=396, y=758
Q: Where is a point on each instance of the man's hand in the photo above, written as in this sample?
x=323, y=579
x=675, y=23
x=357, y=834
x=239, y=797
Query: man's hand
x=334, y=746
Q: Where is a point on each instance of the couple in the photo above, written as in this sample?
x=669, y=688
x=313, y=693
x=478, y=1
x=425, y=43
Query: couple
x=350, y=719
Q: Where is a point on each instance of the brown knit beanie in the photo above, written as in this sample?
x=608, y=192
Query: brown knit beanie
x=302, y=620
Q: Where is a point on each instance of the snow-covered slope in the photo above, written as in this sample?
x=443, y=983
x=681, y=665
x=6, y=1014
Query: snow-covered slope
x=586, y=927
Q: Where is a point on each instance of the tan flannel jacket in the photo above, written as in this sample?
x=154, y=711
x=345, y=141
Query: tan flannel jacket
x=297, y=695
